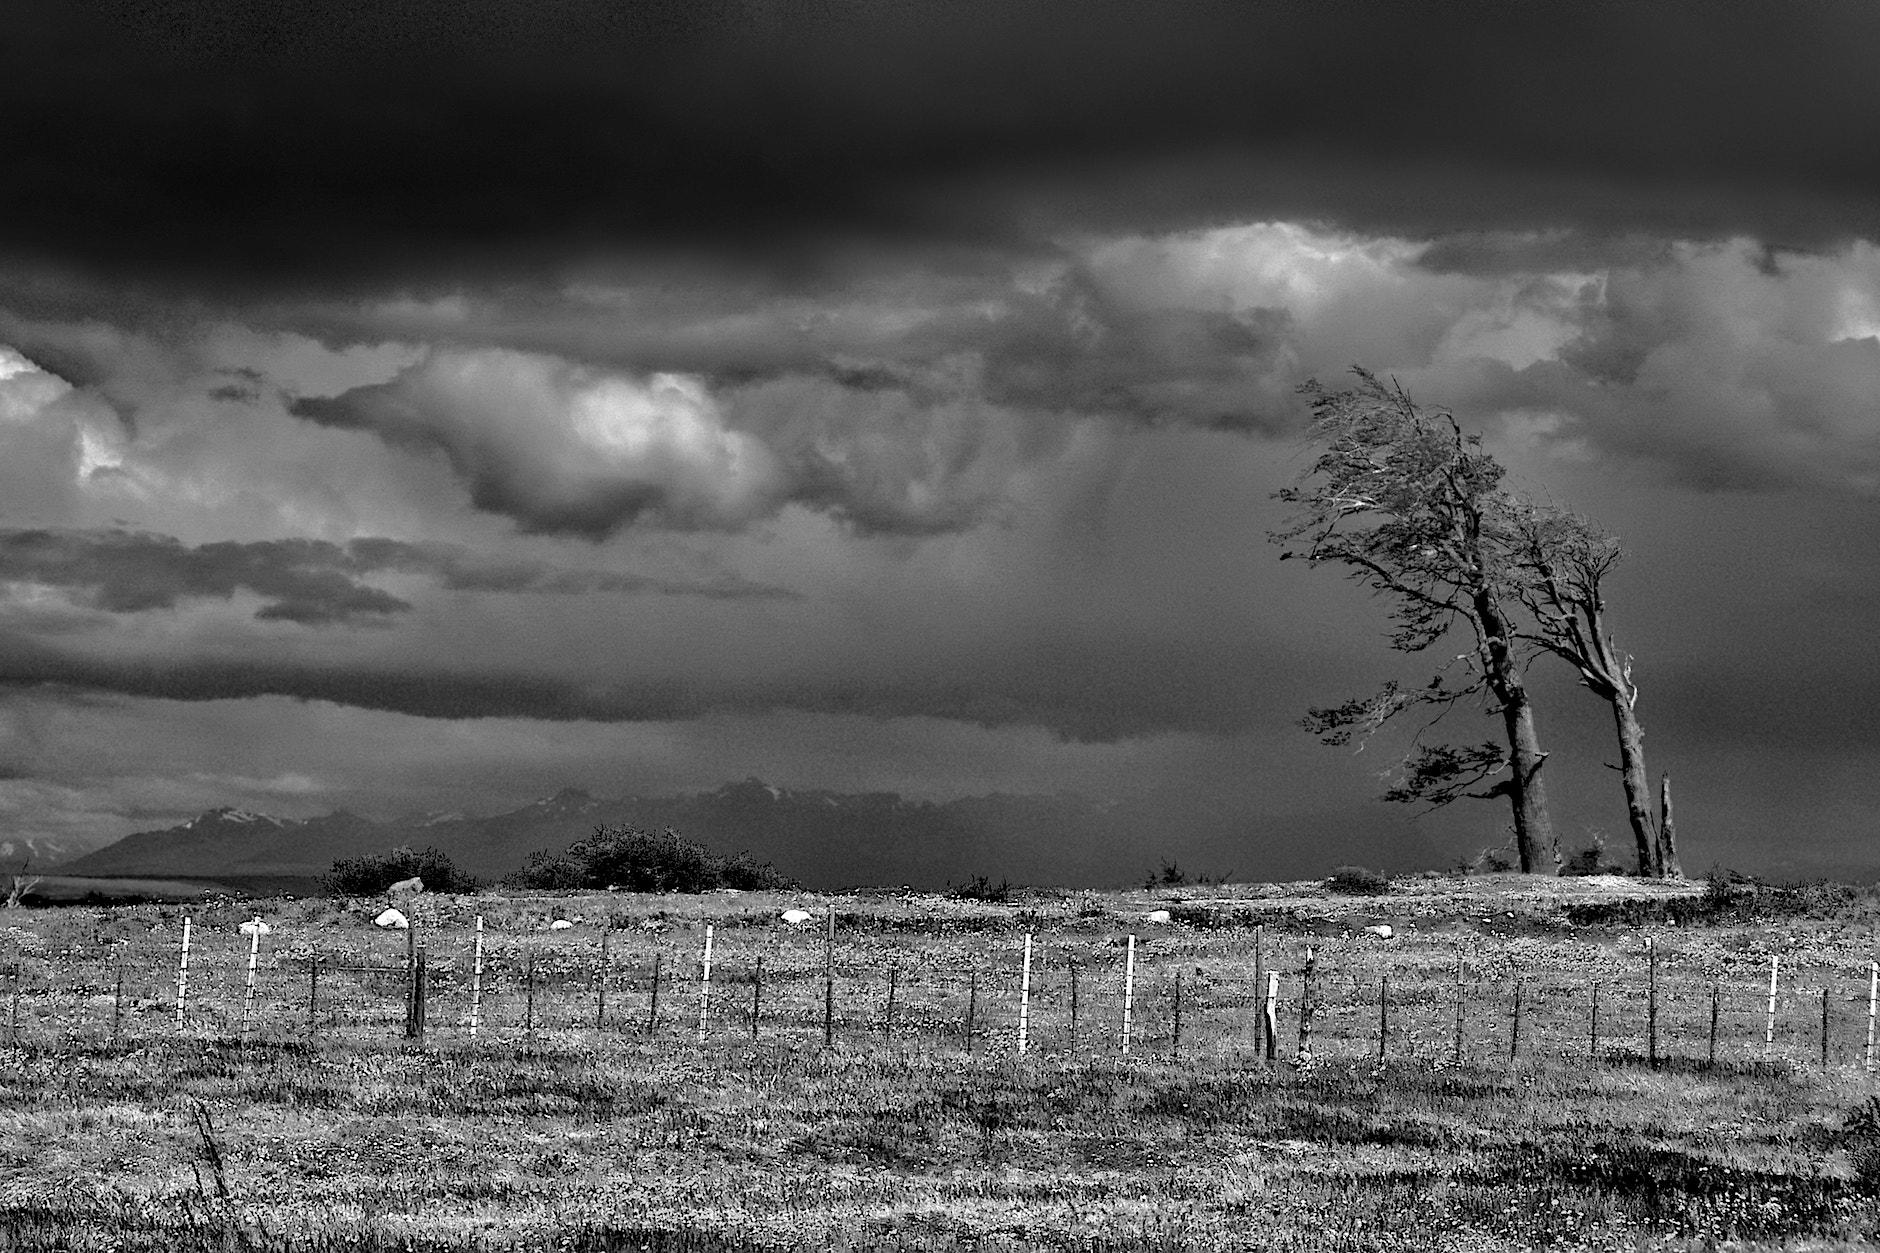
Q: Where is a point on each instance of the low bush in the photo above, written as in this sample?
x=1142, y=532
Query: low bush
x=633, y=860
x=372, y=874
x=1357, y=881
x=980, y=888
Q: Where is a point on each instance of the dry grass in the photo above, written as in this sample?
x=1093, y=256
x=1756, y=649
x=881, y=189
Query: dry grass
x=348, y=1138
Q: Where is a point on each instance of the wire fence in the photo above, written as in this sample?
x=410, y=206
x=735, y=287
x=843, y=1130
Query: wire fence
x=1283, y=997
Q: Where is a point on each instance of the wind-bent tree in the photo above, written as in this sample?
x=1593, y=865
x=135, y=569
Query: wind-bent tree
x=1413, y=509
x=1564, y=559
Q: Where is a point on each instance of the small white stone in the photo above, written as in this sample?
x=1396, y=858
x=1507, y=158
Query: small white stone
x=560, y=924
x=392, y=918
x=1382, y=931
x=797, y=917
x=255, y=926
x=413, y=884
x=1157, y=915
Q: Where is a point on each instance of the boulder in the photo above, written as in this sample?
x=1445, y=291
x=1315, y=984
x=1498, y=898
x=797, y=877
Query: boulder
x=1382, y=931
x=413, y=884
x=1158, y=915
x=392, y=918
x=797, y=917
x=560, y=924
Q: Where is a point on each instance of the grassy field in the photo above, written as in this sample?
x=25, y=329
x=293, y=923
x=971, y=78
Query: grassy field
x=565, y=1123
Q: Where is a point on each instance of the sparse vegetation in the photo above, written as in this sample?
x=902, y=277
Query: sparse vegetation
x=980, y=888
x=372, y=874
x=629, y=859
x=1357, y=881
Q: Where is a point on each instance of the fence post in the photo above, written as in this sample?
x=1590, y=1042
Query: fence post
x=600, y=980
x=887, y=1017
x=1270, y=1019
x=1651, y=1002
x=972, y=1004
x=476, y=979
x=1824, y=1024
x=412, y=1027
x=182, y=985
x=1383, y=1014
x=1769, y=1029
x=1462, y=992
x=705, y=985
x=1129, y=991
x=1873, y=1002
x=1716, y=1006
x=757, y=996
x=1259, y=981
x=528, y=978
x=1024, y=998
x=1305, y=1011
x=1073, y=1004
x=652, y=1011
x=1514, y=1039
x=313, y=994
x=1175, y=1043
x=1592, y=1048
x=254, y=958
x=829, y=983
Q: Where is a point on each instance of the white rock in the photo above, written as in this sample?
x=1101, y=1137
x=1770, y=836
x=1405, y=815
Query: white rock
x=797, y=917
x=560, y=924
x=1382, y=931
x=1158, y=915
x=392, y=918
x=255, y=926
x=413, y=884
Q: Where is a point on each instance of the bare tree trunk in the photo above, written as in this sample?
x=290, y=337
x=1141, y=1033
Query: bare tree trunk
x=1638, y=794
x=1534, y=840
x=1533, y=830
x=1667, y=841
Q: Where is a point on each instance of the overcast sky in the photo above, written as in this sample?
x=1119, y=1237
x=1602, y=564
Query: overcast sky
x=433, y=406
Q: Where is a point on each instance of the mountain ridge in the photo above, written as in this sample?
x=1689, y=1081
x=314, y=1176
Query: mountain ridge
x=822, y=838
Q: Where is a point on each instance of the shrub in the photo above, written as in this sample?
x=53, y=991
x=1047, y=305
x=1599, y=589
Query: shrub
x=635, y=860
x=1591, y=859
x=1357, y=881
x=980, y=888
x=372, y=874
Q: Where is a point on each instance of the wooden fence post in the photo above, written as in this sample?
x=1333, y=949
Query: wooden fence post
x=1873, y=1002
x=1651, y=1002
x=1270, y=1019
x=1383, y=1015
x=972, y=1004
x=1259, y=981
x=1462, y=993
x=254, y=958
x=1024, y=998
x=476, y=979
x=652, y=1009
x=1305, y=1011
x=829, y=981
x=705, y=985
x=414, y=983
x=887, y=1016
x=1129, y=991
x=1175, y=1043
x=1716, y=1007
x=1769, y=1028
x=1514, y=1039
x=182, y=985
x=1592, y=1048
x=600, y=980
x=1073, y=1004
x=528, y=979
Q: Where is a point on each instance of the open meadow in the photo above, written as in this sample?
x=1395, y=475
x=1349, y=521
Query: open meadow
x=588, y=1088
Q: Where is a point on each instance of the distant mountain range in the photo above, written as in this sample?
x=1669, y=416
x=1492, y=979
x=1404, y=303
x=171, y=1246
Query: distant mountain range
x=824, y=839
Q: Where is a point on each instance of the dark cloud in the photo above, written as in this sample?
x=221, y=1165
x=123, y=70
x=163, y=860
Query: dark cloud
x=302, y=581
x=312, y=582
x=286, y=143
